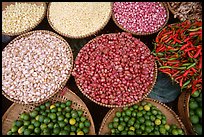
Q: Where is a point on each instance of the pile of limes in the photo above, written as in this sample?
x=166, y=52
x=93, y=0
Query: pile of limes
x=142, y=119
x=52, y=119
x=195, y=111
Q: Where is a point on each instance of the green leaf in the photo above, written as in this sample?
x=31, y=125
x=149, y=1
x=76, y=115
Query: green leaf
x=165, y=90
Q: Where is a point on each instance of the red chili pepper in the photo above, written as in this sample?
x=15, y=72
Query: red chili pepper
x=157, y=39
x=193, y=69
x=189, y=54
x=184, y=46
x=197, y=23
x=177, y=78
x=200, y=63
x=175, y=73
x=187, y=39
x=186, y=72
x=197, y=53
x=168, y=39
x=189, y=49
x=181, y=82
x=165, y=36
x=195, y=33
x=160, y=49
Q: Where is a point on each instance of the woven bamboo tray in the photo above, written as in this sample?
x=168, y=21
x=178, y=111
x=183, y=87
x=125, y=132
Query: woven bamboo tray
x=171, y=116
x=63, y=83
x=81, y=36
x=15, y=110
x=112, y=106
x=140, y=33
x=183, y=111
x=5, y=4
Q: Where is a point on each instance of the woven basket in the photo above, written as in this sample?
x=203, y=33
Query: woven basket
x=174, y=12
x=171, y=116
x=63, y=83
x=140, y=33
x=183, y=111
x=112, y=106
x=5, y=4
x=81, y=36
x=15, y=110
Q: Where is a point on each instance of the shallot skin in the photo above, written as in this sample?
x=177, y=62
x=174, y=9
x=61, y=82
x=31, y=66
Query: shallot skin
x=114, y=69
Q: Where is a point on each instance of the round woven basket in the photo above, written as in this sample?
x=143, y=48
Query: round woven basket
x=5, y=4
x=15, y=110
x=112, y=106
x=183, y=111
x=63, y=83
x=140, y=33
x=174, y=12
x=81, y=36
x=171, y=116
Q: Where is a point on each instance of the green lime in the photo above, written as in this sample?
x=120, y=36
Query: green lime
x=115, y=119
x=128, y=112
x=180, y=131
x=141, y=119
x=68, y=103
x=152, y=118
x=57, y=104
x=131, y=132
x=40, y=118
x=43, y=126
x=37, y=109
x=139, y=114
x=56, y=125
x=147, y=107
x=194, y=119
x=62, y=124
x=72, y=133
x=198, y=128
x=52, y=106
x=157, y=121
x=196, y=94
x=58, y=113
x=167, y=127
x=137, y=125
x=154, y=112
x=53, y=110
x=72, y=121
x=81, y=125
x=148, y=129
x=21, y=129
x=121, y=119
x=66, y=120
x=53, y=116
x=147, y=117
x=123, y=113
x=59, y=109
x=33, y=114
x=138, y=132
x=14, y=129
x=83, y=118
x=80, y=133
x=42, y=107
x=37, y=130
x=120, y=127
x=131, y=122
x=67, y=128
x=67, y=115
x=135, y=106
x=140, y=108
x=62, y=105
x=27, y=132
x=9, y=132
x=174, y=132
x=56, y=130
x=26, y=117
x=60, y=118
x=47, y=104
x=193, y=105
x=63, y=132
x=124, y=133
x=50, y=125
x=125, y=108
x=115, y=124
x=144, y=112
x=31, y=127
x=148, y=123
x=67, y=109
x=80, y=113
x=163, y=121
x=123, y=123
x=18, y=123
x=199, y=112
x=156, y=132
x=74, y=114
x=118, y=114
x=126, y=118
x=162, y=130
x=73, y=128
x=36, y=123
x=134, y=114
x=142, y=127
x=85, y=130
x=46, y=120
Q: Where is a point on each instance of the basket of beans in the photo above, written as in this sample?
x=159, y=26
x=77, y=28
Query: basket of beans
x=190, y=111
x=115, y=70
x=140, y=18
x=186, y=10
x=148, y=117
x=78, y=19
x=21, y=17
x=61, y=115
x=35, y=66
x=178, y=50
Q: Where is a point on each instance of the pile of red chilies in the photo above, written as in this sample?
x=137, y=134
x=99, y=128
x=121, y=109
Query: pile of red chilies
x=178, y=50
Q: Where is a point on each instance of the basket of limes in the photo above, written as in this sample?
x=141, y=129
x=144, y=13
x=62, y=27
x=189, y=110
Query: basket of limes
x=148, y=117
x=190, y=111
x=61, y=115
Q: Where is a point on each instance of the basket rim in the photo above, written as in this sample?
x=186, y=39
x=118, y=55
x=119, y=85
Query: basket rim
x=144, y=33
x=110, y=112
x=67, y=92
x=77, y=37
x=112, y=106
x=68, y=75
x=32, y=27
